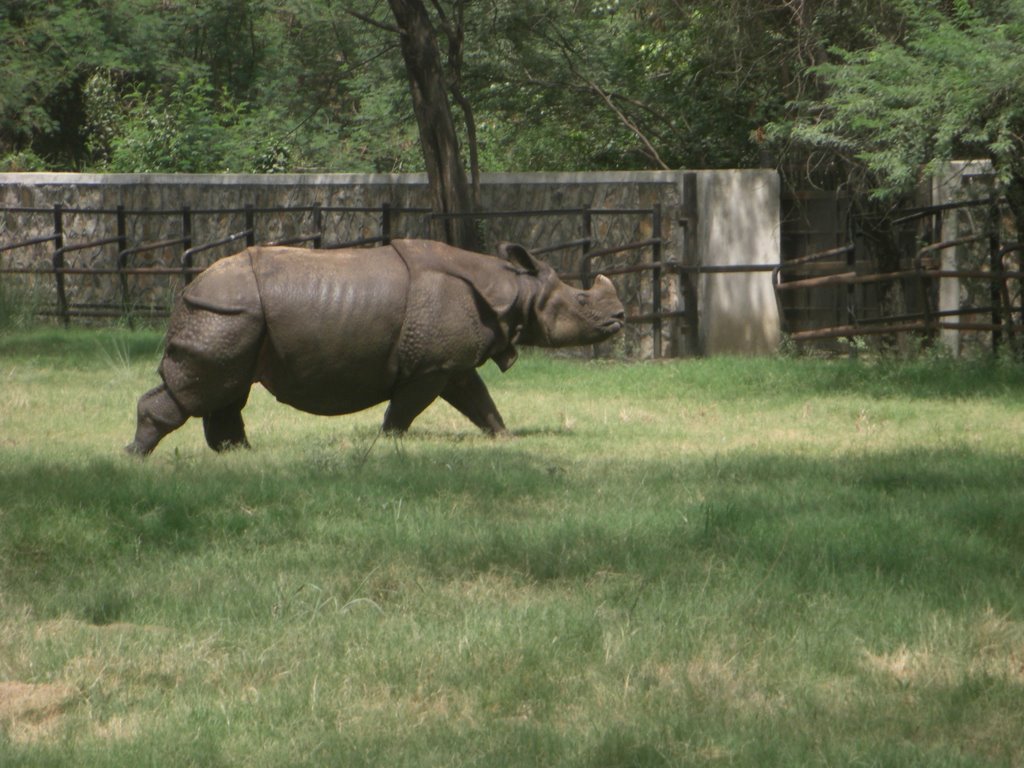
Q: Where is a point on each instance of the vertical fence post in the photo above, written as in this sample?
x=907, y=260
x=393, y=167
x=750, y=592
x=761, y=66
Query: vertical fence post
x=122, y=263
x=656, y=280
x=58, y=263
x=588, y=242
x=928, y=287
x=385, y=223
x=1007, y=303
x=924, y=289
x=851, y=296
x=250, y=225
x=318, y=225
x=689, y=278
x=995, y=265
x=186, y=244
x=854, y=237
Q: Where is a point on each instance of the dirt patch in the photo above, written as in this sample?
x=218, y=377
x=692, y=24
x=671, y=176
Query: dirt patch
x=32, y=711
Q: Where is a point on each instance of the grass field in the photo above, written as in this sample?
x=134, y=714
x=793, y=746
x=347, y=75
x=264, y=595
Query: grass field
x=772, y=562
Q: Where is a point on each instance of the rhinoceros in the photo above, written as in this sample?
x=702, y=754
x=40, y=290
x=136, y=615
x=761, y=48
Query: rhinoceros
x=336, y=331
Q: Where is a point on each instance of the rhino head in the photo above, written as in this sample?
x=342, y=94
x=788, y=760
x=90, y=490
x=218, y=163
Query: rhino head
x=559, y=315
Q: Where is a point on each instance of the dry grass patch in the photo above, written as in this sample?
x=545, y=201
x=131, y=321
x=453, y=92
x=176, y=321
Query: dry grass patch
x=32, y=711
x=103, y=680
x=993, y=649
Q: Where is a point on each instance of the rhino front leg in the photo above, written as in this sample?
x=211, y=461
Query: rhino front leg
x=224, y=428
x=468, y=394
x=158, y=415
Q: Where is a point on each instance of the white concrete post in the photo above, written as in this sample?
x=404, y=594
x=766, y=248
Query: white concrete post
x=739, y=224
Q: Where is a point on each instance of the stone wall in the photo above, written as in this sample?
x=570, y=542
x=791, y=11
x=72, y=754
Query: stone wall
x=708, y=217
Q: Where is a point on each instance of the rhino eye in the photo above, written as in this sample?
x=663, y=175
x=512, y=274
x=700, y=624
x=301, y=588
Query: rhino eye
x=581, y=299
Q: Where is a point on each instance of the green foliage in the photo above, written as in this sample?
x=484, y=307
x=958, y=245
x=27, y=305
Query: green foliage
x=609, y=85
x=554, y=85
x=949, y=87
x=191, y=129
x=17, y=303
x=887, y=87
x=45, y=51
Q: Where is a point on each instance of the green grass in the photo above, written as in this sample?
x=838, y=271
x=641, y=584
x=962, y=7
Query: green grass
x=715, y=562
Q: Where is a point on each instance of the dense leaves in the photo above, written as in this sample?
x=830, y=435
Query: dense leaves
x=952, y=86
x=882, y=89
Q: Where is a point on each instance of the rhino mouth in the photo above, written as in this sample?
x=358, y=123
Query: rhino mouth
x=614, y=324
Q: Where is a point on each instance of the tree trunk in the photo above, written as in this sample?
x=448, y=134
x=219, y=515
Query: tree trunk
x=449, y=186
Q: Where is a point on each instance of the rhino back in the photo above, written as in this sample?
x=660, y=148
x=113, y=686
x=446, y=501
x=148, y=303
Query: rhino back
x=333, y=321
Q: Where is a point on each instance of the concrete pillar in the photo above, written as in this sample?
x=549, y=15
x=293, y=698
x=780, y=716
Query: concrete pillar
x=949, y=287
x=956, y=181
x=739, y=224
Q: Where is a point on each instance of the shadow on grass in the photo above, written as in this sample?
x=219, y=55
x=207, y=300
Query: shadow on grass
x=726, y=378
x=940, y=378
x=945, y=524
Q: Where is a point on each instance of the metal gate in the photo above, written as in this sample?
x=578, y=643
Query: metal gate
x=964, y=287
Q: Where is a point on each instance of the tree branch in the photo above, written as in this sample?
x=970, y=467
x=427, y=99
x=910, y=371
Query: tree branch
x=372, y=21
x=651, y=152
x=648, y=148
x=615, y=95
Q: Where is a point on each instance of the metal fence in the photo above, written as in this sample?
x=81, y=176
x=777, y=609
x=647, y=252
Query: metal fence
x=82, y=264
x=92, y=263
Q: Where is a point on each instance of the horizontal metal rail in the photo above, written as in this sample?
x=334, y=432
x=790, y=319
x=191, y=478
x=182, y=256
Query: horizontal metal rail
x=30, y=242
x=853, y=278
x=847, y=331
x=561, y=246
x=85, y=246
x=295, y=240
x=726, y=269
x=816, y=282
x=233, y=237
x=214, y=211
x=934, y=247
x=529, y=213
x=154, y=246
x=647, y=317
x=930, y=210
x=842, y=250
x=98, y=271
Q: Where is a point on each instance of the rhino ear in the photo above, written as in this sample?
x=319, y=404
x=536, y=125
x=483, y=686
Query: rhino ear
x=518, y=255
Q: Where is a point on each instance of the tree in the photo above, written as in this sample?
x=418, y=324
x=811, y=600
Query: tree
x=439, y=142
x=46, y=54
x=875, y=87
x=647, y=84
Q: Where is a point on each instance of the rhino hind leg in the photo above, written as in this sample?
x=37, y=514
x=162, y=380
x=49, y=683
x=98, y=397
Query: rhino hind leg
x=224, y=428
x=410, y=399
x=158, y=415
x=468, y=394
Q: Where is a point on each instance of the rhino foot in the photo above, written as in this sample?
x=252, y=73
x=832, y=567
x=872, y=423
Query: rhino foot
x=224, y=428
